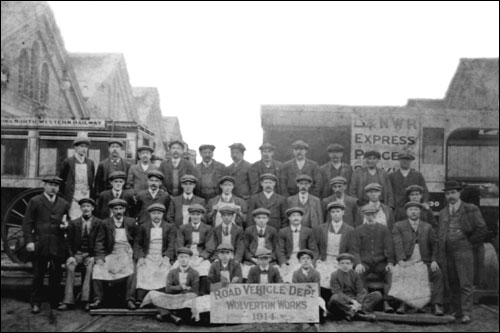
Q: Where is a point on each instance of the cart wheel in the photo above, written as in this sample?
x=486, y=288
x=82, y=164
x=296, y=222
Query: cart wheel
x=12, y=226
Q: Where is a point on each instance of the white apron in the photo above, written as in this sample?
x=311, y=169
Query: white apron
x=293, y=264
x=185, y=214
x=82, y=190
x=326, y=268
x=119, y=263
x=152, y=274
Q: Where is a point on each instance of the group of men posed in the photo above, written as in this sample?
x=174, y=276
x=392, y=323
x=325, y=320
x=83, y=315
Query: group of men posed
x=179, y=228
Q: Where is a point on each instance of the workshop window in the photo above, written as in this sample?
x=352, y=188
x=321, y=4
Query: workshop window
x=14, y=153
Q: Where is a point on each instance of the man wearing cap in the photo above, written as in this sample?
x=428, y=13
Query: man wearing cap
x=77, y=173
x=294, y=238
x=332, y=238
x=111, y=164
x=339, y=185
x=43, y=231
x=384, y=215
x=154, y=194
x=137, y=177
x=209, y=171
x=300, y=165
x=414, y=193
x=154, y=250
x=227, y=233
x=271, y=200
x=175, y=167
x=195, y=235
x=114, y=260
x=414, y=242
x=80, y=241
x=178, y=210
x=225, y=270
x=372, y=247
x=226, y=184
x=239, y=170
x=117, y=180
x=335, y=168
x=311, y=204
x=368, y=175
x=263, y=272
x=461, y=227
x=267, y=165
x=404, y=177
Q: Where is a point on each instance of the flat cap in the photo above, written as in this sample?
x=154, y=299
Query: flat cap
x=157, y=207
x=373, y=187
x=206, y=146
x=227, y=178
x=117, y=175
x=177, y=141
x=141, y=148
x=338, y=180
x=292, y=210
x=335, y=204
x=189, y=178
x=156, y=173
x=238, y=146
x=53, y=180
x=117, y=202
x=334, y=147
x=86, y=200
x=267, y=145
x=261, y=211
x=268, y=176
x=184, y=250
x=302, y=177
x=196, y=208
x=117, y=141
x=369, y=209
x=225, y=247
x=263, y=252
x=228, y=209
x=413, y=204
x=344, y=256
x=373, y=153
x=414, y=188
x=303, y=252
x=406, y=155
x=80, y=140
x=300, y=144
x=452, y=185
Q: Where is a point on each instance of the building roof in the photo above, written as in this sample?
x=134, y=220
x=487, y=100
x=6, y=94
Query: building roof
x=172, y=128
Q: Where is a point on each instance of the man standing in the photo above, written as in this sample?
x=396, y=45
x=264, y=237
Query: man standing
x=335, y=168
x=178, y=210
x=461, y=226
x=384, y=215
x=80, y=242
x=313, y=214
x=239, y=170
x=137, y=178
x=226, y=184
x=154, y=194
x=117, y=180
x=111, y=164
x=270, y=200
x=371, y=174
x=415, y=241
x=402, y=178
x=175, y=167
x=77, y=174
x=267, y=165
x=339, y=185
x=300, y=165
x=43, y=231
x=209, y=171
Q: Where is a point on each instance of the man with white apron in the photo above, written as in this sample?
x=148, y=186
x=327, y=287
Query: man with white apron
x=227, y=197
x=194, y=236
x=294, y=238
x=154, y=249
x=114, y=254
x=384, y=214
x=416, y=242
x=178, y=209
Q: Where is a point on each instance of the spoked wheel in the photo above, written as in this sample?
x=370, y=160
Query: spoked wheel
x=12, y=226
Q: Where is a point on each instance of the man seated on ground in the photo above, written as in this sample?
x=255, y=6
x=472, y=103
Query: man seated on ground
x=263, y=272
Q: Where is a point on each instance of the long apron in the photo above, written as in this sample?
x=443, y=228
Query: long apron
x=185, y=214
x=330, y=265
x=293, y=264
x=119, y=263
x=82, y=190
x=218, y=218
x=152, y=274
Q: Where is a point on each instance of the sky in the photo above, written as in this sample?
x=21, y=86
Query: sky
x=215, y=63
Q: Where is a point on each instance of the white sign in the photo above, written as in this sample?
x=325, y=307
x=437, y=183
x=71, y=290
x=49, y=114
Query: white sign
x=54, y=122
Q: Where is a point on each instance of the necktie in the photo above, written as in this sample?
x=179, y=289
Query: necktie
x=296, y=230
x=452, y=210
x=85, y=229
x=261, y=233
x=265, y=271
x=226, y=231
x=117, y=195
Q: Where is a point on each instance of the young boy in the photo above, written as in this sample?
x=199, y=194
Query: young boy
x=348, y=293
x=225, y=270
x=263, y=272
x=306, y=273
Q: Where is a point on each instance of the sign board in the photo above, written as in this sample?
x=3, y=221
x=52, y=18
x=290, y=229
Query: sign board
x=265, y=303
x=53, y=122
x=386, y=133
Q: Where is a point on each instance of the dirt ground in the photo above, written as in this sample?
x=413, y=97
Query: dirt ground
x=16, y=317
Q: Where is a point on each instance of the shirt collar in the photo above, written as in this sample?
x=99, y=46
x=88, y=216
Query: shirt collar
x=266, y=268
x=176, y=161
x=207, y=164
x=268, y=195
x=188, y=196
x=153, y=194
x=156, y=225
x=118, y=223
x=336, y=165
x=404, y=172
x=183, y=270
x=197, y=226
x=80, y=159
x=227, y=197
x=49, y=198
x=294, y=227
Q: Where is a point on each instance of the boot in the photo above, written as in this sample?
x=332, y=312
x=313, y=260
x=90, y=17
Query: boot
x=401, y=309
x=438, y=310
x=388, y=308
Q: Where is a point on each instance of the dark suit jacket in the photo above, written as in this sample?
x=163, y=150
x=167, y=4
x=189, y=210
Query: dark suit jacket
x=185, y=168
x=321, y=237
x=236, y=200
x=68, y=176
x=174, y=214
x=470, y=220
x=174, y=284
x=234, y=268
x=314, y=216
x=143, y=239
x=237, y=241
x=185, y=238
x=425, y=215
x=348, y=283
x=360, y=179
x=271, y=242
x=330, y=172
x=388, y=214
x=41, y=225
x=277, y=205
x=208, y=183
x=405, y=239
x=259, y=168
x=74, y=235
x=399, y=184
x=137, y=178
x=106, y=236
x=104, y=169
x=350, y=212
x=144, y=200
x=273, y=275
x=306, y=241
x=372, y=244
x=290, y=171
x=102, y=209
x=312, y=277
x=241, y=175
